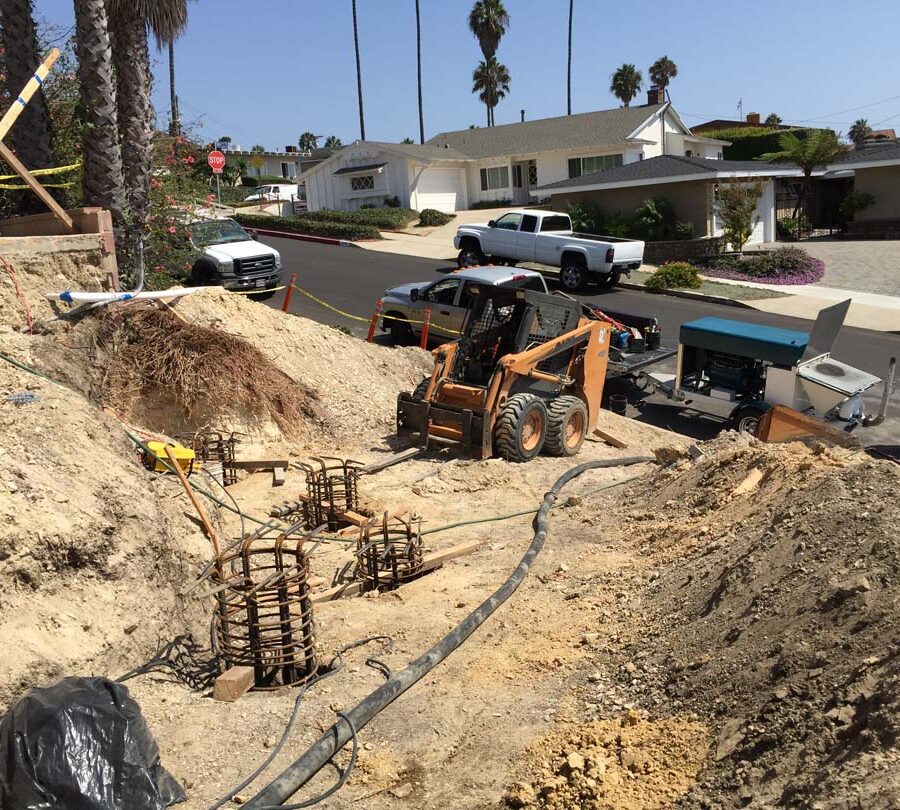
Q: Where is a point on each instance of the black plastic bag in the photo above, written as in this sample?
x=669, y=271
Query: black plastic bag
x=81, y=744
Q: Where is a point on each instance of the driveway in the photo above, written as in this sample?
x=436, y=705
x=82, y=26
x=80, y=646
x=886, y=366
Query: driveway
x=872, y=267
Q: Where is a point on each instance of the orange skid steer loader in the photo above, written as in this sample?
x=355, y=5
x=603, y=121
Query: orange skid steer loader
x=526, y=375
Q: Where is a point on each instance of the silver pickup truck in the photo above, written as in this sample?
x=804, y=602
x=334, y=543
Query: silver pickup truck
x=546, y=237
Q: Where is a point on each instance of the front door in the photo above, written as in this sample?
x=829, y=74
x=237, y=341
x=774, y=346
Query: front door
x=524, y=177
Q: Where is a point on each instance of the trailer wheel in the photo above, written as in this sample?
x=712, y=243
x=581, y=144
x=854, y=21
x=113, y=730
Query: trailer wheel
x=746, y=419
x=521, y=428
x=567, y=419
x=421, y=388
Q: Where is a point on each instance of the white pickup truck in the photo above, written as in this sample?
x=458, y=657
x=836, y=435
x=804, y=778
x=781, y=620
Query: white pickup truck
x=546, y=237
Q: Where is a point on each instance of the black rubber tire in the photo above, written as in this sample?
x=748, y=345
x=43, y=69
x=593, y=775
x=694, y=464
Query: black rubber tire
x=746, y=419
x=573, y=276
x=560, y=413
x=203, y=274
x=510, y=439
x=261, y=296
x=421, y=388
x=470, y=257
x=609, y=281
x=400, y=331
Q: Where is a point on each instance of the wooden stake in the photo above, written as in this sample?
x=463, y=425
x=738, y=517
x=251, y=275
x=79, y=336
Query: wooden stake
x=30, y=88
x=204, y=518
x=610, y=439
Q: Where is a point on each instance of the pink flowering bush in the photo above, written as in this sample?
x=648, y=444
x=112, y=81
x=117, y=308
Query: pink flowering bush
x=787, y=265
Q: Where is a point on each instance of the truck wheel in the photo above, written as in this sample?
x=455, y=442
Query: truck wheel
x=421, y=388
x=746, y=419
x=261, y=296
x=203, y=275
x=521, y=428
x=470, y=257
x=567, y=419
x=400, y=331
x=573, y=276
x=609, y=281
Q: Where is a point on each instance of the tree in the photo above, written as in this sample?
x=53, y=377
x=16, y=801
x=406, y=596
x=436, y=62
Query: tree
x=736, y=207
x=258, y=149
x=362, y=118
x=772, y=120
x=626, y=83
x=102, y=167
x=333, y=142
x=491, y=81
x=860, y=132
x=814, y=149
x=30, y=137
x=569, y=66
x=662, y=71
x=419, y=72
x=407, y=140
x=488, y=21
x=308, y=141
x=223, y=142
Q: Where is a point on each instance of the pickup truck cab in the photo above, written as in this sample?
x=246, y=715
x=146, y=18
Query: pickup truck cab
x=273, y=192
x=546, y=237
x=448, y=298
x=229, y=256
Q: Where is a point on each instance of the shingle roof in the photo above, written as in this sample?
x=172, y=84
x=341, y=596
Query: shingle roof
x=666, y=166
x=871, y=154
x=358, y=169
x=604, y=127
x=425, y=151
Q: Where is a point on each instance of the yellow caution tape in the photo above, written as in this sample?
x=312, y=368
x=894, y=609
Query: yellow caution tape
x=45, y=185
x=256, y=292
x=41, y=172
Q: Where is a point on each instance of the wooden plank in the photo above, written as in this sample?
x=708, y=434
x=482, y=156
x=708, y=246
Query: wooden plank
x=347, y=589
x=30, y=88
x=207, y=524
x=610, y=439
x=389, y=461
x=355, y=518
x=278, y=476
x=34, y=184
x=260, y=464
x=232, y=683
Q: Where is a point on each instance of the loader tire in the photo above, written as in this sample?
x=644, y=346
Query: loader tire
x=521, y=428
x=421, y=388
x=567, y=419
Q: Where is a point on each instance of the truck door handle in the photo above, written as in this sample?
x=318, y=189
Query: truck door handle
x=445, y=312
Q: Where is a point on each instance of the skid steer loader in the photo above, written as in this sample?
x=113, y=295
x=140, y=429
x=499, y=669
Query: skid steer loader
x=526, y=375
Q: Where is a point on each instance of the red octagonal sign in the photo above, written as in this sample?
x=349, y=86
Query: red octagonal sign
x=216, y=161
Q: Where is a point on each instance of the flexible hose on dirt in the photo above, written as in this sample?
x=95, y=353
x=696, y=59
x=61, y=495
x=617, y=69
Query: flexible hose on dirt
x=277, y=792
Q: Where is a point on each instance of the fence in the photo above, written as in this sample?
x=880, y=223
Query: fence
x=683, y=249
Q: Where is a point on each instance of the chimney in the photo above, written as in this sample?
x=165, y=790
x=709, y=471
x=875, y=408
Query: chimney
x=753, y=119
x=522, y=115
x=656, y=95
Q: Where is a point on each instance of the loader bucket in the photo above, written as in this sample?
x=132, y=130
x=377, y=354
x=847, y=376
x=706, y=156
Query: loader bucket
x=783, y=424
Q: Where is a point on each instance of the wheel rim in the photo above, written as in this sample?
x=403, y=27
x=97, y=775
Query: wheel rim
x=574, y=429
x=748, y=424
x=570, y=277
x=531, y=430
x=469, y=258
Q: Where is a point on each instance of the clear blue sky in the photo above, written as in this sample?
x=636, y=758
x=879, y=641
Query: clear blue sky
x=265, y=71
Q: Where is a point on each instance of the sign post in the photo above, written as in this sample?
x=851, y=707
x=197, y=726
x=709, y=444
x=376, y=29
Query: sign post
x=216, y=161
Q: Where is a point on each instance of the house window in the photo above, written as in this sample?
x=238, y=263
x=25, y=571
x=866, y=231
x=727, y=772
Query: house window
x=579, y=166
x=688, y=153
x=364, y=182
x=532, y=172
x=498, y=177
x=517, y=175
x=285, y=172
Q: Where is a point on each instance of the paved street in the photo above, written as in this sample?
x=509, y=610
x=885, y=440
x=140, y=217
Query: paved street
x=352, y=279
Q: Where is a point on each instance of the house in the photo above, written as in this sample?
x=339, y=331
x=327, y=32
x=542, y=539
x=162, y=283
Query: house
x=752, y=121
x=876, y=171
x=288, y=165
x=507, y=163
x=689, y=184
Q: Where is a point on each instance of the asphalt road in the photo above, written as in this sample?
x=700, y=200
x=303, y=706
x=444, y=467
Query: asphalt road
x=351, y=279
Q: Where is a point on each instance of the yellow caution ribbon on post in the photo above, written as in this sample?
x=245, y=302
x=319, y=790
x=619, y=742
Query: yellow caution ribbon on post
x=12, y=187
x=43, y=172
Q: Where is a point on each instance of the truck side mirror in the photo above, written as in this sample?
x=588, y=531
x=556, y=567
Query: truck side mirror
x=491, y=223
x=414, y=294
x=254, y=235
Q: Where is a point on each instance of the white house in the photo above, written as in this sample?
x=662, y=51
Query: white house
x=288, y=165
x=454, y=170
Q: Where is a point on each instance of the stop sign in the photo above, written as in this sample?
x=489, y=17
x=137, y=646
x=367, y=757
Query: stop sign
x=216, y=161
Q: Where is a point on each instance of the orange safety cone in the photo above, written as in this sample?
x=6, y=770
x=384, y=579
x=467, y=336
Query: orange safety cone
x=286, y=306
x=374, y=321
x=426, y=323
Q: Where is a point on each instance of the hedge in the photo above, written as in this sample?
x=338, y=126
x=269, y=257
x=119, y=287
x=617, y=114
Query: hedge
x=310, y=227
x=749, y=144
x=387, y=219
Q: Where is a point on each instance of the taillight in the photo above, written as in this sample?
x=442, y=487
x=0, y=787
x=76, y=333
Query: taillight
x=610, y=255
x=519, y=277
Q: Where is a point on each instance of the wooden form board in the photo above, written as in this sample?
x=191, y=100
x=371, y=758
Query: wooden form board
x=233, y=683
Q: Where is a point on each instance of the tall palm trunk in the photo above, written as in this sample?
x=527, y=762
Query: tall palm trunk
x=419, y=72
x=135, y=107
x=362, y=120
x=175, y=126
x=569, y=68
x=103, y=183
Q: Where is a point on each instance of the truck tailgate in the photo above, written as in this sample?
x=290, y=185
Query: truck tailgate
x=628, y=251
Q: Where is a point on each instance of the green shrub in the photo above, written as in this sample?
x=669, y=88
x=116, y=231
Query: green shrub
x=749, y=143
x=786, y=261
x=310, y=227
x=790, y=228
x=490, y=204
x=431, y=216
x=386, y=219
x=736, y=207
x=250, y=182
x=674, y=275
x=684, y=230
x=855, y=202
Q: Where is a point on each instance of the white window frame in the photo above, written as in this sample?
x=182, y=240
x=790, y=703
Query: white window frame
x=494, y=177
x=362, y=182
x=582, y=158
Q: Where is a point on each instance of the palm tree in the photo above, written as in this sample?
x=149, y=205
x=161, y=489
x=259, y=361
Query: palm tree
x=626, y=83
x=662, y=71
x=308, y=141
x=491, y=81
x=814, y=149
x=488, y=21
x=860, y=132
x=772, y=120
x=362, y=118
x=102, y=167
x=333, y=142
x=407, y=140
x=31, y=135
x=258, y=149
x=569, y=68
x=419, y=72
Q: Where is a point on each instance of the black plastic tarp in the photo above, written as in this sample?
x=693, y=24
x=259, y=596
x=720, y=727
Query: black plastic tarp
x=81, y=744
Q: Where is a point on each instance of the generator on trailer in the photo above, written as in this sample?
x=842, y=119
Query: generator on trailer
x=526, y=375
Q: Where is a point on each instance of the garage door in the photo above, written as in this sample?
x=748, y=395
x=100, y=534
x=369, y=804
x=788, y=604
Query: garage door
x=441, y=189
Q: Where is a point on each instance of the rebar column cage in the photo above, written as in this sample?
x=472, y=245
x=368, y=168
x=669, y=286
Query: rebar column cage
x=389, y=552
x=331, y=488
x=214, y=446
x=264, y=616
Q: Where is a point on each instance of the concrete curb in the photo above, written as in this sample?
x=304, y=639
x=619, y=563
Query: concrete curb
x=709, y=299
x=302, y=237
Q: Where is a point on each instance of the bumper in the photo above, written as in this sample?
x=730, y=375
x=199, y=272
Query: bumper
x=456, y=242
x=264, y=282
x=446, y=424
x=626, y=267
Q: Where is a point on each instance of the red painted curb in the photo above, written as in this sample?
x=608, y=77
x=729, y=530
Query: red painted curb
x=303, y=237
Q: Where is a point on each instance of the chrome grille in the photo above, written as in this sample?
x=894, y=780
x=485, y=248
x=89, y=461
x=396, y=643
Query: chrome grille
x=254, y=264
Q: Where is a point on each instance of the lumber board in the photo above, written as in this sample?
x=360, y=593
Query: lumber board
x=278, y=476
x=233, y=683
x=260, y=464
x=610, y=439
x=389, y=461
x=338, y=591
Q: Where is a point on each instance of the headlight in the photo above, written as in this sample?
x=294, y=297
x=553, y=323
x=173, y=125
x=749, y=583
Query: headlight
x=278, y=261
x=226, y=264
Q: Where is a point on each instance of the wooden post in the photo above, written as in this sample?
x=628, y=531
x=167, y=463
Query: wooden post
x=32, y=182
x=204, y=518
x=30, y=88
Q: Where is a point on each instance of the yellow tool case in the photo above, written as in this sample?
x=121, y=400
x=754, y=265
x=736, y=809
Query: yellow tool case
x=158, y=462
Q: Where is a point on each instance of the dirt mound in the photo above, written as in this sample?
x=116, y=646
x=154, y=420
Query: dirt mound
x=773, y=612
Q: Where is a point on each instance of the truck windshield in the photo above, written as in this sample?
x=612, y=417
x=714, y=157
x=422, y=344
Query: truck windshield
x=556, y=224
x=217, y=232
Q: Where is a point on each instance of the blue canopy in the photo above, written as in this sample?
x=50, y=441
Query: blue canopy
x=781, y=346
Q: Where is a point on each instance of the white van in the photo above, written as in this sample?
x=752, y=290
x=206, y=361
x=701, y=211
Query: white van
x=270, y=193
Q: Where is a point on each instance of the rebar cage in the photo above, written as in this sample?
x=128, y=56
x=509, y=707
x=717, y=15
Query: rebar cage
x=215, y=449
x=264, y=616
x=331, y=488
x=389, y=551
